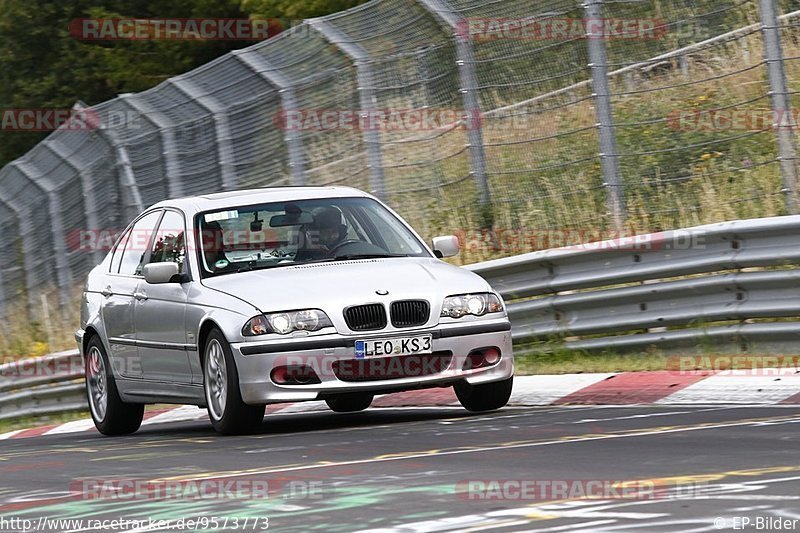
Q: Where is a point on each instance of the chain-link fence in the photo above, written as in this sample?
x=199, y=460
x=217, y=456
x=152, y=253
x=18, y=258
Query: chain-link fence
x=518, y=124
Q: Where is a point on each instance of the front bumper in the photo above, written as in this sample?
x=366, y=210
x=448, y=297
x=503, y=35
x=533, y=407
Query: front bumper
x=79, y=339
x=256, y=360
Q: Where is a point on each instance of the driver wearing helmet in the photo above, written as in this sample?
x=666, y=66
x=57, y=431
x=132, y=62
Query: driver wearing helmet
x=329, y=228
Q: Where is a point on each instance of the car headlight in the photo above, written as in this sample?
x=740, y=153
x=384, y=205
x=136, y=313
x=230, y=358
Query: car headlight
x=287, y=322
x=477, y=304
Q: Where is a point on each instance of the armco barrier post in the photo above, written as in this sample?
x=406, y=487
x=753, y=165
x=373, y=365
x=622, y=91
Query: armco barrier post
x=784, y=120
x=609, y=158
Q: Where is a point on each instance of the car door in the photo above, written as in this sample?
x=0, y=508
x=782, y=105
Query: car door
x=118, y=290
x=160, y=310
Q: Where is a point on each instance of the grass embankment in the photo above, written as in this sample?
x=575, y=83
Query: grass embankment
x=35, y=421
x=38, y=331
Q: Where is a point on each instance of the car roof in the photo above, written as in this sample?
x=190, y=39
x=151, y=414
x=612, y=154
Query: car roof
x=221, y=200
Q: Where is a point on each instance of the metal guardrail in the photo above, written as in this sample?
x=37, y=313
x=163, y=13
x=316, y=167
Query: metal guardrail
x=42, y=385
x=627, y=294
x=677, y=290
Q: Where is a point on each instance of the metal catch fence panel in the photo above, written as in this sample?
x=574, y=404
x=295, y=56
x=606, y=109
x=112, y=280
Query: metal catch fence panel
x=536, y=117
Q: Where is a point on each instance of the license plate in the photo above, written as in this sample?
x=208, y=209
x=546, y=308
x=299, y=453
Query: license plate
x=418, y=344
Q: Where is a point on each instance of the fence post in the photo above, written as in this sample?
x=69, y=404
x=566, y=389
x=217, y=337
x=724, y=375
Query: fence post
x=86, y=188
x=601, y=92
x=368, y=99
x=56, y=223
x=781, y=106
x=127, y=176
x=465, y=58
x=223, y=134
x=28, y=254
x=294, y=144
x=169, y=150
x=123, y=163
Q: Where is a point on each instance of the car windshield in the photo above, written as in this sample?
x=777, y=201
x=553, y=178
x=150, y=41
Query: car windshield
x=251, y=237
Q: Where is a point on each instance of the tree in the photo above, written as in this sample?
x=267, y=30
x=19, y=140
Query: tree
x=42, y=66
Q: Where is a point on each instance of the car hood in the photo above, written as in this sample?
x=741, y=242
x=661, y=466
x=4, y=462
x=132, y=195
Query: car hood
x=335, y=285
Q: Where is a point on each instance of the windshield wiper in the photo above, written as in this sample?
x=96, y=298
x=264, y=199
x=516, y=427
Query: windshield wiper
x=347, y=257
x=249, y=268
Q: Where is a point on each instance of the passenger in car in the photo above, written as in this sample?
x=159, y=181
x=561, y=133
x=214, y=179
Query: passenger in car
x=213, y=245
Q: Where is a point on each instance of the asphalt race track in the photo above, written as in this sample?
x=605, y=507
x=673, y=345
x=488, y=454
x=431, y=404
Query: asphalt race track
x=423, y=469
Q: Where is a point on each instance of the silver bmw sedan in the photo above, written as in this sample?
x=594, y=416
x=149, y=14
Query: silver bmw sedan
x=236, y=300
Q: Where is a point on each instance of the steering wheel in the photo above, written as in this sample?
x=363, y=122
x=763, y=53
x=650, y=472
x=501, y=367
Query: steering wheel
x=335, y=249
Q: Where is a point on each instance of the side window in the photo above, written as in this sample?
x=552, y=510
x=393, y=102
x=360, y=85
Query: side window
x=169, y=244
x=136, y=246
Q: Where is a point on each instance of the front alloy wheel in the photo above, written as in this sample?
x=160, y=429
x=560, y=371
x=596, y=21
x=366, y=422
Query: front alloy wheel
x=228, y=413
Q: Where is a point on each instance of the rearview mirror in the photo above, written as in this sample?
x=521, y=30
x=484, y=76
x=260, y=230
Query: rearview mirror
x=446, y=246
x=158, y=273
x=291, y=219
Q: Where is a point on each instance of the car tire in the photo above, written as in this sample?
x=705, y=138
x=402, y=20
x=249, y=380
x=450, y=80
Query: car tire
x=484, y=397
x=228, y=413
x=110, y=414
x=349, y=403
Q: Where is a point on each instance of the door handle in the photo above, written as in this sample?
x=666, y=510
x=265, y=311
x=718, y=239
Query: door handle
x=140, y=296
x=107, y=292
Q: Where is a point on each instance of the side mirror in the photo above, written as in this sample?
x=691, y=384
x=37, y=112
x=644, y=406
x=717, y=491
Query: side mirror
x=446, y=246
x=158, y=273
